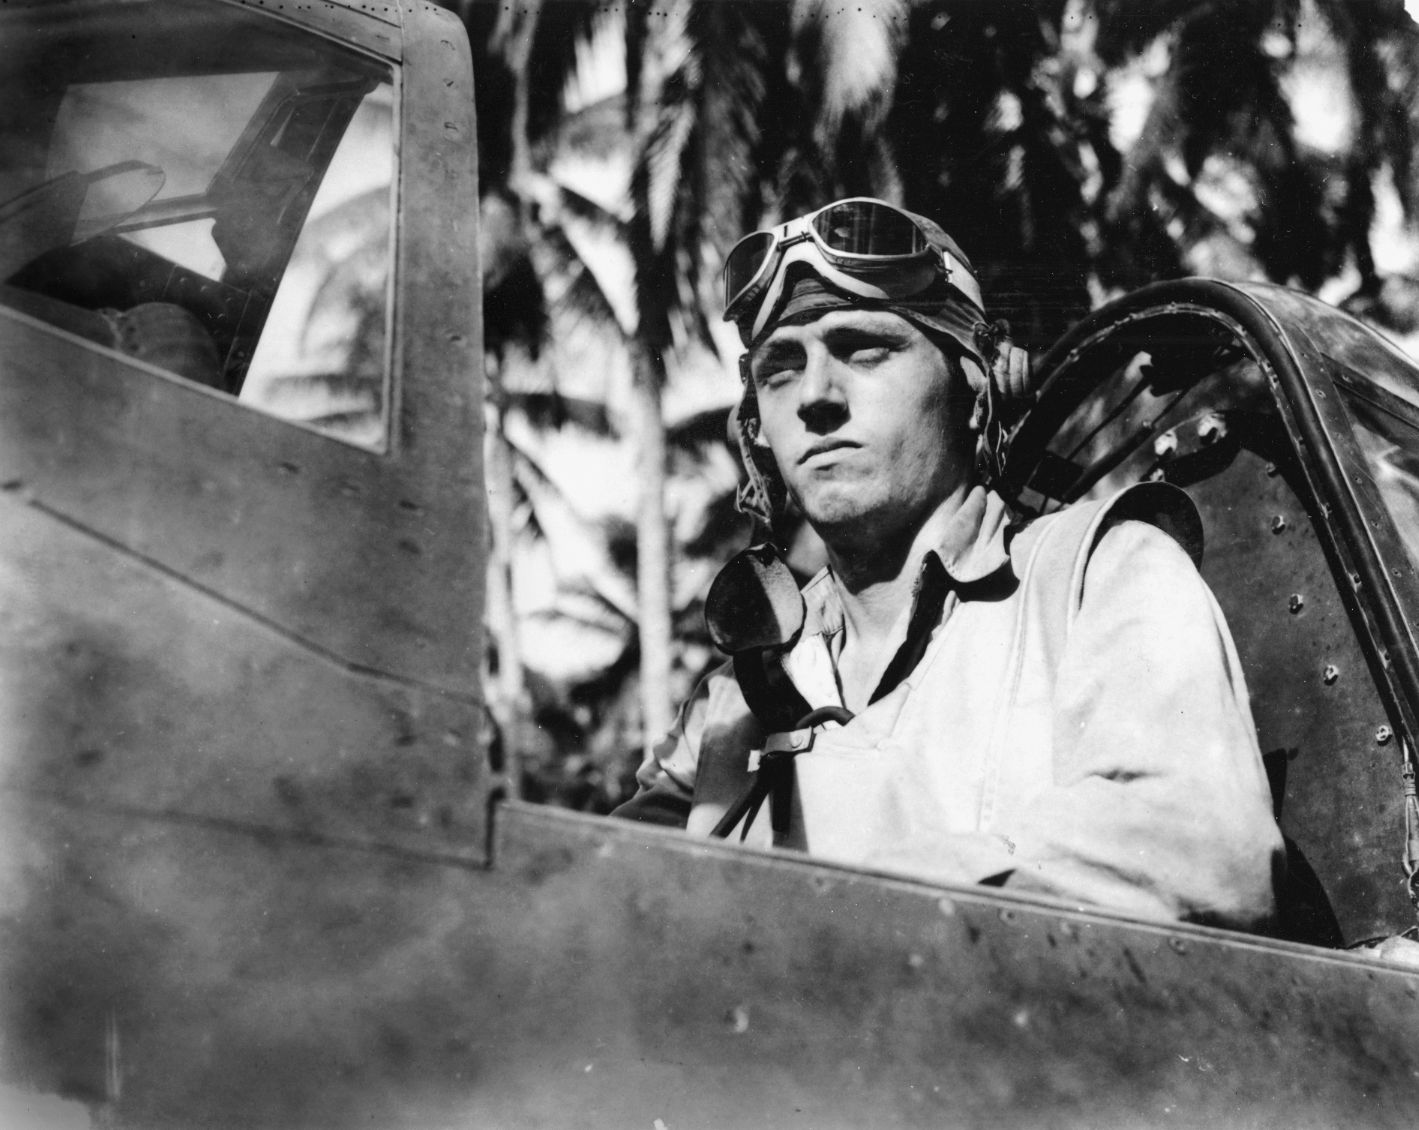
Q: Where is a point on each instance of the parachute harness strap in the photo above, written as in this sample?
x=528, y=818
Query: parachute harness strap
x=1411, y=828
x=773, y=777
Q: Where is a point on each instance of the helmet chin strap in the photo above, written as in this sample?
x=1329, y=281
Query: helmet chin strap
x=763, y=497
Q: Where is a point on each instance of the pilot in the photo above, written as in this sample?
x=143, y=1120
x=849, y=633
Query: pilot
x=1054, y=706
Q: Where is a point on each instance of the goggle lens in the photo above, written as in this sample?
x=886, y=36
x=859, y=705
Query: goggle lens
x=864, y=227
x=865, y=230
x=745, y=261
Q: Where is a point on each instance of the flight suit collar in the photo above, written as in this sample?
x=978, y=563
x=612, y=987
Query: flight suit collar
x=972, y=551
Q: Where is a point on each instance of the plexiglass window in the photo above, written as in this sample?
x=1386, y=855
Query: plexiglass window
x=1387, y=427
x=206, y=190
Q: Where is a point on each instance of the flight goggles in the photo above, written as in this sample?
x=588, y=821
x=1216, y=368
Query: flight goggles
x=863, y=246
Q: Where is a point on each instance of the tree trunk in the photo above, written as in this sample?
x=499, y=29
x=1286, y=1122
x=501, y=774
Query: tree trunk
x=508, y=699
x=653, y=555
x=516, y=31
x=517, y=26
x=655, y=290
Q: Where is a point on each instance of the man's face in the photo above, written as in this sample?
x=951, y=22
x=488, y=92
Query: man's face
x=865, y=417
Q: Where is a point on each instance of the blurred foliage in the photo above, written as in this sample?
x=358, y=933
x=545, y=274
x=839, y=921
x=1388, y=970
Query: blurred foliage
x=1075, y=148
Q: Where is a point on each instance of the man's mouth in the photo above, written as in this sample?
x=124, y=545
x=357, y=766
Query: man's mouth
x=825, y=447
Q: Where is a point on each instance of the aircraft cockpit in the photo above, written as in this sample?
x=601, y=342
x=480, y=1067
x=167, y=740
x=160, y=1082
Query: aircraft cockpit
x=207, y=191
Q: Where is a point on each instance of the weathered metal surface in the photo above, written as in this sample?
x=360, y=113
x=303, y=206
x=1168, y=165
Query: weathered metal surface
x=438, y=312
x=241, y=826
x=374, y=25
x=173, y=972
x=1327, y=344
x=728, y=988
x=603, y=975
x=127, y=689
x=234, y=649
x=1316, y=729
x=362, y=556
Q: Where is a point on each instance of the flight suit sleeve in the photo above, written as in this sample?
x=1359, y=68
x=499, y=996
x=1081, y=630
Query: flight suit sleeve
x=666, y=779
x=1159, y=804
x=1160, y=801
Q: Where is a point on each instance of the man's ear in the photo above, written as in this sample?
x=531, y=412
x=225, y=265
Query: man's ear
x=1011, y=372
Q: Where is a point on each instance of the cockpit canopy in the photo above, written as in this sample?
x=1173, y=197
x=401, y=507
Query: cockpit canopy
x=208, y=191
x=1295, y=429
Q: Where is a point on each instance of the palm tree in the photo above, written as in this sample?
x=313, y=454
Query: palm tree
x=536, y=233
x=1221, y=112
x=523, y=57
x=697, y=147
x=1007, y=121
x=577, y=596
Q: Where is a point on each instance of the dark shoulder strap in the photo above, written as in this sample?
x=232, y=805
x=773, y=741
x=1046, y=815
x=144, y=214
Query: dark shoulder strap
x=767, y=689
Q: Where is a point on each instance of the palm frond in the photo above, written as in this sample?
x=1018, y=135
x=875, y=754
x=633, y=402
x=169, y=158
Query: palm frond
x=1294, y=229
x=696, y=168
x=707, y=426
x=595, y=129
x=356, y=281
x=563, y=482
x=515, y=311
x=661, y=161
x=590, y=610
x=853, y=69
x=555, y=410
x=736, y=66
x=569, y=276
x=357, y=219
x=558, y=198
x=528, y=466
x=571, y=281
x=562, y=28
x=637, y=32
x=996, y=157
x=1380, y=45
x=1126, y=27
x=1222, y=100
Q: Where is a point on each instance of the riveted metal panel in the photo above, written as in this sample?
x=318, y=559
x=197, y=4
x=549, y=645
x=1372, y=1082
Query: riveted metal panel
x=604, y=975
x=370, y=25
x=234, y=650
x=374, y=25
x=1313, y=695
x=1297, y=567
x=711, y=984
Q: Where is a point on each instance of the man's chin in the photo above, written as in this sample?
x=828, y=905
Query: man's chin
x=830, y=512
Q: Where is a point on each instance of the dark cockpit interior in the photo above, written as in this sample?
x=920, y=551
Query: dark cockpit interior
x=156, y=176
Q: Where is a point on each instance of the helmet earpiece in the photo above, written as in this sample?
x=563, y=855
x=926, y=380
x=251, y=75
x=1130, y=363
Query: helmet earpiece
x=763, y=497
x=1006, y=395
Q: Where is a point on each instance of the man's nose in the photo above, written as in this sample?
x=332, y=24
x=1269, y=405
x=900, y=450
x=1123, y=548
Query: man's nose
x=821, y=399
